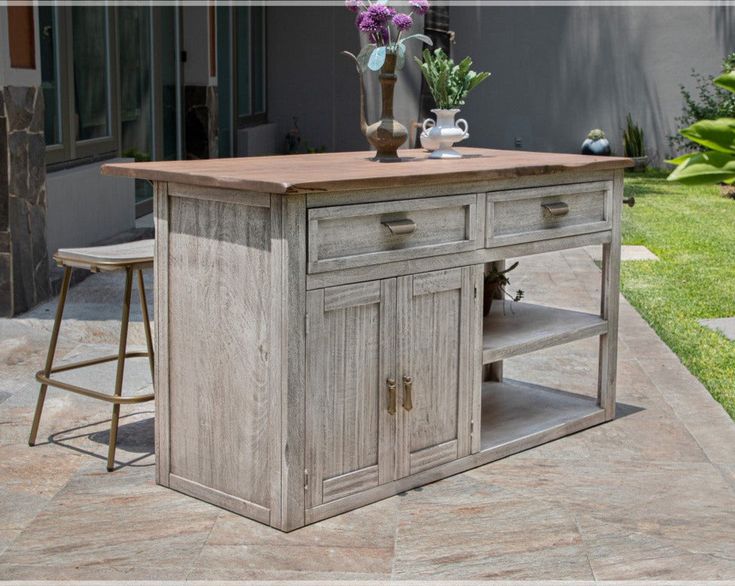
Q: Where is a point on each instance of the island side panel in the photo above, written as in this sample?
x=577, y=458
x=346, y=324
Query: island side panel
x=220, y=336
x=610, y=300
x=293, y=364
x=160, y=320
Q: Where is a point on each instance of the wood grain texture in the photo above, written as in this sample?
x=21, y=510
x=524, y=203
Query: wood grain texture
x=161, y=319
x=512, y=329
x=445, y=261
x=348, y=236
x=586, y=417
x=433, y=337
x=517, y=215
x=610, y=301
x=219, y=339
x=356, y=170
x=345, y=409
x=293, y=360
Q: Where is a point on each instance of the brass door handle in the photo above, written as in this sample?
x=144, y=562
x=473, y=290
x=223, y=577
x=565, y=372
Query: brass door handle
x=555, y=210
x=391, y=396
x=407, y=393
x=400, y=227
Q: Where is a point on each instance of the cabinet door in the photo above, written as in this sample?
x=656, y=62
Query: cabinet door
x=350, y=433
x=437, y=366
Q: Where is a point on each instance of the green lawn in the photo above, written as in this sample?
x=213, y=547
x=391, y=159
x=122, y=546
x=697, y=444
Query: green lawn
x=692, y=231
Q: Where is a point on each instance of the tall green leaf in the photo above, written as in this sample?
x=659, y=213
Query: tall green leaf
x=718, y=135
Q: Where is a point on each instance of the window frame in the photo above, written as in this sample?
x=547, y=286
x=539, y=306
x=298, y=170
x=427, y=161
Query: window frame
x=254, y=118
x=72, y=150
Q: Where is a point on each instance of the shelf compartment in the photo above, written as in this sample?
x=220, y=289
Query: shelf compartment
x=522, y=415
x=527, y=327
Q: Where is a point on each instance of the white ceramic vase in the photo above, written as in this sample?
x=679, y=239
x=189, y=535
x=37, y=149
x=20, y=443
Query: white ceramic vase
x=443, y=133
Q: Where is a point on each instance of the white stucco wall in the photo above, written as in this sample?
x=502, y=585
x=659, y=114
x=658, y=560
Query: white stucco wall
x=85, y=207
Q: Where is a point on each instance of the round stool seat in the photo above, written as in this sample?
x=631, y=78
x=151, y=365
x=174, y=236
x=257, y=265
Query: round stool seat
x=138, y=254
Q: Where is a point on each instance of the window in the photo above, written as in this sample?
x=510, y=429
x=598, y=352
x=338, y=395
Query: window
x=76, y=66
x=50, y=74
x=249, y=64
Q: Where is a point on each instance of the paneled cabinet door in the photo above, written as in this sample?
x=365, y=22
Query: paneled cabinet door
x=350, y=433
x=436, y=367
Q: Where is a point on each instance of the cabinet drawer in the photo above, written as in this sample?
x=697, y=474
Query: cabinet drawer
x=526, y=215
x=349, y=236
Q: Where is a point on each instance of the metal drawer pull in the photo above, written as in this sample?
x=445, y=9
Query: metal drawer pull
x=391, y=396
x=407, y=393
x=400, y=226
x=555, y=209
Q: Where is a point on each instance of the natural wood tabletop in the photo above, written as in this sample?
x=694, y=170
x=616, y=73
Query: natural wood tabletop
x=355, y=170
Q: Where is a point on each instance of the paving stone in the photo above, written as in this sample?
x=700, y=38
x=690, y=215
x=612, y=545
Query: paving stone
x=627, y=252
x=647, y=496
x=724, y=325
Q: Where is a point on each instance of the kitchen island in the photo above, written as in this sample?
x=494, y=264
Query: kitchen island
x=320, y=341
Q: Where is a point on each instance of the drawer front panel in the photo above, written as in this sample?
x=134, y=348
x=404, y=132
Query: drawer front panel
x=349, y=236
x=527, y=215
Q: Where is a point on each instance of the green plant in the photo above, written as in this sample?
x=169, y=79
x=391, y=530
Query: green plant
x=595, y=134
x=633, y=145
x=449, y=83
x=139, y=156
x=496, y=283
x=716, y=162
x=709, y=103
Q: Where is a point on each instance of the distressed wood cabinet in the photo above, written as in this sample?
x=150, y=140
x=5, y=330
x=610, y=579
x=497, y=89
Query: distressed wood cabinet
x=320, y=340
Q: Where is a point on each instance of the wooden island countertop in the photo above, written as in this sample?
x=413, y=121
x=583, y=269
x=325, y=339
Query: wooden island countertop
x=285, y=174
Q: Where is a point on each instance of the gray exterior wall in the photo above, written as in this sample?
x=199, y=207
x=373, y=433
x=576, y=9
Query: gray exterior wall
x=310, y=79
x=557, y=72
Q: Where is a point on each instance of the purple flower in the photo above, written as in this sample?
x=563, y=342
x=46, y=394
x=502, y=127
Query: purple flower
x=403, y=22
x=420, y=6
x=380, y=13
x=352, y=5
x=366, y=23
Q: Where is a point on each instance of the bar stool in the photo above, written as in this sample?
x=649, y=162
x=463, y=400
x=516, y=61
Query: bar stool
x=131, y=257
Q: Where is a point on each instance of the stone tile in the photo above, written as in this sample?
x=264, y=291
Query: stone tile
x=724, y=325
x=31, y=477
x=628, y=252
x=277, y=578
x=371, y=527
x=6, y=538
x=501, y=537
x=253, y=560
x=57, y=573
x=119, y=519
x=645, y=549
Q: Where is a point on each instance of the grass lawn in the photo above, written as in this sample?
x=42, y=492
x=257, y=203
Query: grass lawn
x=692, y=231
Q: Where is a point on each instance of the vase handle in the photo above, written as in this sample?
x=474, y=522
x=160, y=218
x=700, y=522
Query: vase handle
x=429, y=123
x=466, y=126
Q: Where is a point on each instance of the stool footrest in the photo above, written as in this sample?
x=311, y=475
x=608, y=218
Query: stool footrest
x=45, y=379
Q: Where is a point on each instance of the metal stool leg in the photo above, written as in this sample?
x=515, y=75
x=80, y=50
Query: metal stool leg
x=50, y=356
x=146, y=321
x=120, y=367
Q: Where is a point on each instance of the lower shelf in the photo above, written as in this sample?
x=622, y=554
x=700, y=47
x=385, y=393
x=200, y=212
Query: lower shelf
x=512, y=410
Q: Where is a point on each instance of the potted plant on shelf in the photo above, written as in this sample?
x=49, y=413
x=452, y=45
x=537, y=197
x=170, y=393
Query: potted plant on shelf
x=386, y=53
x=496, y=283
x=449, y=84
x=596, y=144
x=633, y=145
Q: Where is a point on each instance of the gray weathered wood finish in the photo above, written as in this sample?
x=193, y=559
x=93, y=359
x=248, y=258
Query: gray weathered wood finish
x=281, y=316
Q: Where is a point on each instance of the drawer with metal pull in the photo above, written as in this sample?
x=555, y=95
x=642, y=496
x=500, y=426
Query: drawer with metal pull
x=539, y=213
x=348, y=236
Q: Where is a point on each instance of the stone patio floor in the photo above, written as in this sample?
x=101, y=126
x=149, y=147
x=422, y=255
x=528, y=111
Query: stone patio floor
x=648, y=496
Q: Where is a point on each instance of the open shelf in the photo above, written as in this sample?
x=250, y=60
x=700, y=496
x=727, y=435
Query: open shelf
x=513, y=412
x=527, y=327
